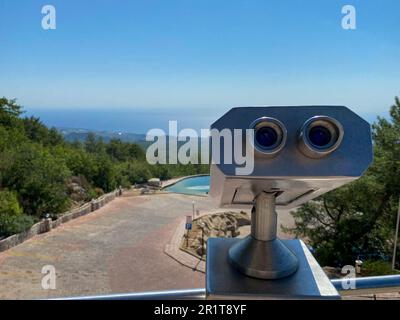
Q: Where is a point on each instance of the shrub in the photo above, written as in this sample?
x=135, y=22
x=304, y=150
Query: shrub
x=16, y=224
x=12, y=220
x=98, y=192
x=135, y=172
x=105, y=177
x=377, y=268
x=9, y=204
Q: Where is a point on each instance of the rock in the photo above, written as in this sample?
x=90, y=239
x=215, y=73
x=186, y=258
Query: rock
x=76, y=192
x=221, y=234
x=221, y=226
x=154, y=182
x=235, y=233
x=332, y=272
x=195, y=243
x=200, y=251
x=242, y=221
x=217, y=222
x=224, y=224
x=214, y=234
x=232, y=228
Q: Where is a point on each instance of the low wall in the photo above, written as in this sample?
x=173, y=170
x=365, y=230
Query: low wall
x=48, y=224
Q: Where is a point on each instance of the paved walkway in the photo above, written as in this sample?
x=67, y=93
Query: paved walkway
x=119, y=248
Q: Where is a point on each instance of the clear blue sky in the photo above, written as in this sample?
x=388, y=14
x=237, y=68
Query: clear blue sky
x=200, y=55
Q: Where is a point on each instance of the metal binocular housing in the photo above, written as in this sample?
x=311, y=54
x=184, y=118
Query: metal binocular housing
x=299, y=153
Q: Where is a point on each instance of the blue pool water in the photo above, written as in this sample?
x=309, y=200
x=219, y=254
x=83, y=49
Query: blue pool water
x=192, y=185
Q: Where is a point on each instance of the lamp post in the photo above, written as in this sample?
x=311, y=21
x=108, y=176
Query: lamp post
x=395, y=237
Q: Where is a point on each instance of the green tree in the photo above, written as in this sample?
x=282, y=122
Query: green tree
x=135, y=171
x=9, y=112
x=124, y=151
x=36, y=131
x=12, y=219
x=93, y=144
x=39, y=178
x=106, y=175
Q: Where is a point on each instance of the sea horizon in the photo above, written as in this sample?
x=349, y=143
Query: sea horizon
x=137, y=121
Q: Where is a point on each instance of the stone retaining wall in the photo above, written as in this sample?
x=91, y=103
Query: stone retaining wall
x=47, y=224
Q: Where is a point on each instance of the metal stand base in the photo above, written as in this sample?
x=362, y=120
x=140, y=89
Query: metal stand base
x=224, y=281
x=263, y=259
x=262, y=255
x=263, y=267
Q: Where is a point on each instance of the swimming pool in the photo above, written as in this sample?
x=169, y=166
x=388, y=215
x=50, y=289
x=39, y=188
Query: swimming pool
x=198, y=185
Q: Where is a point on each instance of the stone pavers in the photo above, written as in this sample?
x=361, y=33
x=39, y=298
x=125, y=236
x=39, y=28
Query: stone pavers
x=118, y=248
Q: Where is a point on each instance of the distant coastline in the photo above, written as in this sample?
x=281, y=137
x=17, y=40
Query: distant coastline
x=79, y=134
x=135, y=121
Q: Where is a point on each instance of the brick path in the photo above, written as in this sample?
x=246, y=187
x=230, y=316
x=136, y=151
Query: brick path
x=119, y=248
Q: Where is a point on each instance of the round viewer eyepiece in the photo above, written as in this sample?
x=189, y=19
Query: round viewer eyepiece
x=266, y=137
x=269, y=135
x=320, y=136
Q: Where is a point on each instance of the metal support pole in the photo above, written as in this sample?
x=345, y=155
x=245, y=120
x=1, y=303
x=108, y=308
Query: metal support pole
x=396, y=237
x=264, y=218
x=262, y=255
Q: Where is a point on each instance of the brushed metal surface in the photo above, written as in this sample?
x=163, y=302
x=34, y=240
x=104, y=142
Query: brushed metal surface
x=264, y=218
x=296, y=176
x=223, y=281
x=261, y=254
x=263, y=259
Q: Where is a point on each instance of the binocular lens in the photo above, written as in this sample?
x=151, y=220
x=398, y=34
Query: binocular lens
x=320, y=136
x=266, y=137
x=269, y=135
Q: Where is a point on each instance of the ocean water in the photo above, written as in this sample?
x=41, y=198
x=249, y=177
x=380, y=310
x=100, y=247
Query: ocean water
x=124, y=120
x=136, y=120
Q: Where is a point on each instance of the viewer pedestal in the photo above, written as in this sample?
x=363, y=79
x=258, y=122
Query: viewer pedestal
x=223, y=281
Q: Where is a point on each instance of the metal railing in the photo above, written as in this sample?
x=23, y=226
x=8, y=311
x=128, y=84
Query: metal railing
x=345, y=286
x=368, y=285
x=188, y=294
